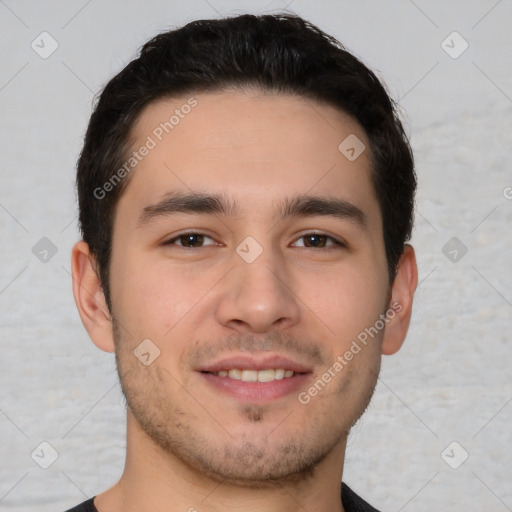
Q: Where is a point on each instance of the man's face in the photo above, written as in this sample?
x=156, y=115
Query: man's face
x=257, y=287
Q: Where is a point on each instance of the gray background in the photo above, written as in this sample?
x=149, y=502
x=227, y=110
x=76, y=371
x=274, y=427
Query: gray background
x=451, y=382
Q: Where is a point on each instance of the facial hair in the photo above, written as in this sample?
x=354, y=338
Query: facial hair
x=176, y=419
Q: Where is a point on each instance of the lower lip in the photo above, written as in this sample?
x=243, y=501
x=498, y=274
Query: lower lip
x=257, y=391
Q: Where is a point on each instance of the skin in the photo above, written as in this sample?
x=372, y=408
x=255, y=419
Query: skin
x=189, y=445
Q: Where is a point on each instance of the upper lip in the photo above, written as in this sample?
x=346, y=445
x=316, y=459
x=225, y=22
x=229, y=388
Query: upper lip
x=252, y=362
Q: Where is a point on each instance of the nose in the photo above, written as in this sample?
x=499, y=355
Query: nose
x=258, y=296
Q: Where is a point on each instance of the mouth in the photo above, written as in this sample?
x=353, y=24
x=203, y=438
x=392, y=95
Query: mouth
x=254, y=380
x=266, y=375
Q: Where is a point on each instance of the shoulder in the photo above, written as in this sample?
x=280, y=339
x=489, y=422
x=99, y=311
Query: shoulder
x=352, y=502
x=86, y=506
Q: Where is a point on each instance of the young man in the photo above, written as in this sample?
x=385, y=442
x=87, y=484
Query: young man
x=246, y=191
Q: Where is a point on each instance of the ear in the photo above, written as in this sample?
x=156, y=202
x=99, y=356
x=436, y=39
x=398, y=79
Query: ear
x=89, y=297
x=402, y=293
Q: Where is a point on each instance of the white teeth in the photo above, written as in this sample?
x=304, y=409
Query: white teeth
x=279, y=374
x=267, y=375
x=235, y=374
x=250, y=375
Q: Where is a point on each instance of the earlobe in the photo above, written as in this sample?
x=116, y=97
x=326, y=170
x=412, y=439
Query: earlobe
x=402, y=294
x=90, y=299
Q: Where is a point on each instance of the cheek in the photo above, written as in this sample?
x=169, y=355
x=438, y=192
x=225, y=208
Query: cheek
x=155, y=297
x=347, y=302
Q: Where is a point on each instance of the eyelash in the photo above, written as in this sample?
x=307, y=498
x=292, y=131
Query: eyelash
x=336, y=244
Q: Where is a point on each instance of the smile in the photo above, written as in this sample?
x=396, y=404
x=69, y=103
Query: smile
x=267, y=375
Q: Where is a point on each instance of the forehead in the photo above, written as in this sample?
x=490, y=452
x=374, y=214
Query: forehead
x=253, y=145
x=229, y=119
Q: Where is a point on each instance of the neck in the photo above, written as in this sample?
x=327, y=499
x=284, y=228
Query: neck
x=156, y=480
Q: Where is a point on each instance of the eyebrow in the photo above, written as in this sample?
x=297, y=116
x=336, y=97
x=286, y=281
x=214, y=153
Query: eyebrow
x=220, y=204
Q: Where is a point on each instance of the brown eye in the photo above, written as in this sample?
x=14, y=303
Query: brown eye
x=190, y=240
x=318, y=240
